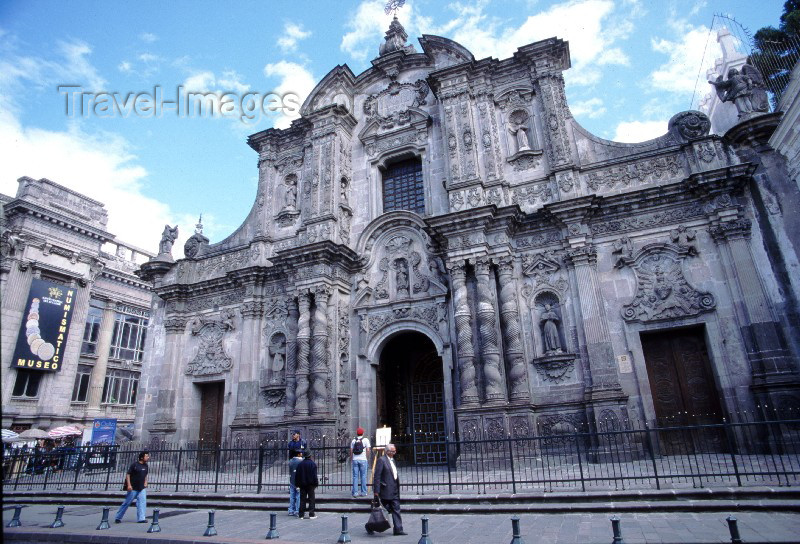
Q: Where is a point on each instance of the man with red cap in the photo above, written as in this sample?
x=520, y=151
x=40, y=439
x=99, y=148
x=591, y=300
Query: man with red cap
x=359, y=454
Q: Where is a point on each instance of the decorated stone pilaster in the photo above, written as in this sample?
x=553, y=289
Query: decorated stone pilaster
x=291, y=357
x=165, y=420
x=247, y=384
x=319, y=353
x=101, y=364
x=512, y=337
x=487, y=325
x=303, y=354
x=556, y=113
x=775, y=377
x=466, y=353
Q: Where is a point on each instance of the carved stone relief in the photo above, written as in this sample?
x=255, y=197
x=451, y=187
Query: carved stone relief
x=211, y=357
x=638, y=173
x=662, y=291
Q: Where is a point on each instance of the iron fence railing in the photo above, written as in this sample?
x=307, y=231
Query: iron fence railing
x=724, y=454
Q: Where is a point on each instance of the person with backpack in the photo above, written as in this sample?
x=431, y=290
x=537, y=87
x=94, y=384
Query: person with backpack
x=294, y=491
x=359, y=455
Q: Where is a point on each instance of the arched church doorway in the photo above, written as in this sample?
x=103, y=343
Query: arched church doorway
x=411, y=397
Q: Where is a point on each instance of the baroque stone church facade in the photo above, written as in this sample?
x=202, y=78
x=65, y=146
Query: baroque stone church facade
x=438, y=246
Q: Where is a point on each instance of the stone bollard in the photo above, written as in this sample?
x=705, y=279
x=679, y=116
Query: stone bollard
x=15, y=522
x=154, y=527
x=58, y=522
x=615, y=527
x=516, y=538
x=210, y=530
x=104, y=520
x=273, y=527
x=344, y=538
x=425, y=538
x=733, y=527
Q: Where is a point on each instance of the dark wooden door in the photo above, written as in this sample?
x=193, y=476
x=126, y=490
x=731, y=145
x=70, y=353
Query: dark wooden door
x=683, y=387
x=211, y=397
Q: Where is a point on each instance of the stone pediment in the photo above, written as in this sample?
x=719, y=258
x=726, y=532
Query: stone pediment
x=337, y=87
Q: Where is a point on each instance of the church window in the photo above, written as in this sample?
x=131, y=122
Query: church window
x=403, y=187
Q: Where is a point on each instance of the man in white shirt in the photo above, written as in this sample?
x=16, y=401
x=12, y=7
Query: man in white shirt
x=359, y=455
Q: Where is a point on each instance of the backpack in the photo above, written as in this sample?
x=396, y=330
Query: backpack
x=358, y=447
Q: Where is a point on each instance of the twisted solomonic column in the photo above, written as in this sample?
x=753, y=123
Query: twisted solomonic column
x=466, y=354
x=318, y=398
x=303, y=351
x=512, y=336
x=487, y=326
x=291, y=358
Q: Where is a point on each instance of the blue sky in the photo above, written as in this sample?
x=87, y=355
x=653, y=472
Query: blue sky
x=634, y=64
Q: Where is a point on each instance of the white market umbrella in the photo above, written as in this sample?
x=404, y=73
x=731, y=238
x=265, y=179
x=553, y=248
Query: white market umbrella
x=9, y=436
x=34, y=434
x=66, y=430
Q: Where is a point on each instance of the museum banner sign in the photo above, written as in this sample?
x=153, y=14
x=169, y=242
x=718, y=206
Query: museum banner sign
x=45, y=323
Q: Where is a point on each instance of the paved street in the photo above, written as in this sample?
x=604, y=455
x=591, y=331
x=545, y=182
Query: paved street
x=250, y=526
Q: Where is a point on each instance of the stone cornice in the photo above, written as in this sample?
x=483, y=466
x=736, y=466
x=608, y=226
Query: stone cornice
x=21, y=206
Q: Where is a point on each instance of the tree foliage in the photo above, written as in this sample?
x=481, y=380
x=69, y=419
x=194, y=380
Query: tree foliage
x=777, y=50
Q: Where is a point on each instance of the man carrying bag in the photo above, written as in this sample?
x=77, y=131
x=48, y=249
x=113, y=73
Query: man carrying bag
x=386, y=484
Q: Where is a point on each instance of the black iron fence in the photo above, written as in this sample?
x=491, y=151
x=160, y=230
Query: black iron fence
x=724, y=454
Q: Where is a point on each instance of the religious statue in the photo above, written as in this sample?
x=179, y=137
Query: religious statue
x=739, y=88
x=343, y=193
x=518, y=127
x=168, y=238
x=277, y=349
x=549, y=320
x=290, y=197
x=401, y=277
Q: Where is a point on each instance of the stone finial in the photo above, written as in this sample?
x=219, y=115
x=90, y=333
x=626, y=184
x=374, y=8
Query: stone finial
x=395, y=38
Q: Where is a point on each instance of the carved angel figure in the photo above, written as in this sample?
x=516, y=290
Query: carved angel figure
x=738, y=88
x=168, y=238
x=550, y=320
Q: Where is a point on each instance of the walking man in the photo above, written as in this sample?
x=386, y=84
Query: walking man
x=306, y=479
x=136, y=486
x=294, y=492
x=386, y=484
x=359, y=455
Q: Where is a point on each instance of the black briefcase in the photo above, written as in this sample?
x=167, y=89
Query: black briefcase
x=377, y=519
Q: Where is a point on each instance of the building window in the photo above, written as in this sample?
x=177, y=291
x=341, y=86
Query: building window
x=403, y=188
x=120, y=387
x=127, y=341
x=27, y=384
x=91, y=331
x=81, y=389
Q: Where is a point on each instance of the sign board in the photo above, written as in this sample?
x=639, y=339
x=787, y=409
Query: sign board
x=43, y=332
x=625, y=364
x=383, y=436
x=104, y=431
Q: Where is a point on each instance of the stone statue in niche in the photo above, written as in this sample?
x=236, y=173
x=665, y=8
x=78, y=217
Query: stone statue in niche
x=290, y=196
x=168, y=238
x=277, y=352
x=401, y=277
x=343, y=193
x=550, y=335
x=518, y=127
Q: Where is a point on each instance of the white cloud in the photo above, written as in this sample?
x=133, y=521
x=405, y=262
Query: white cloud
x=679, y=74
x=148, y=37
x=592, y=27
x=294, y=79
x=100, y=165
x=292, y=33
x=639, y=131
x=591, y=108
x=125, y=67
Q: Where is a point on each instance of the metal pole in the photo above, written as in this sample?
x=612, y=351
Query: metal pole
x=216, y=467
x=15, y=522
x=733, y=527
x=210, y=530
x=260, y=466
x=178, y=475
x=511, y=459
x=733, y=453
x=344, y=538
x=425, y=538
x=155, y=527
x=617, y=531
x=449, y=469
x=104, y=520
x=580, y=461
x=516, y=537
x=273, y=527
x=651, y=447
x=108, y=465
x=58, y=522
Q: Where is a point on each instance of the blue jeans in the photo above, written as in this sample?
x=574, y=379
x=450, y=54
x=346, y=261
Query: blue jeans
x=360, y=476
x=141, y=504
x=294, y=499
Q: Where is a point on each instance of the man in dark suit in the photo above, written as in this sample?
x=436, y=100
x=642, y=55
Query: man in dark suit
x=386, y=484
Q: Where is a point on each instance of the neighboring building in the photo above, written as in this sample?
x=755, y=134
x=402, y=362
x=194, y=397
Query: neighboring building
x=54, y=241
x=439, y=246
